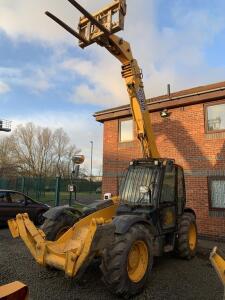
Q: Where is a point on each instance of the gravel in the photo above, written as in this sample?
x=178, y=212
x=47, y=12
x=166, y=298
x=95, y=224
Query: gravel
x=171, y=278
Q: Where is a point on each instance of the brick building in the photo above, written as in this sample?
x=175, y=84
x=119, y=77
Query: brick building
x=191, y=130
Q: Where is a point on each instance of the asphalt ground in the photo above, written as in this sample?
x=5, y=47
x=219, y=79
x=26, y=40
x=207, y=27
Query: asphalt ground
x=171, y=277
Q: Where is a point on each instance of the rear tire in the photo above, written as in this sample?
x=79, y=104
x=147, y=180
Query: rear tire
x=54, y=229
x=127, y=264
x=40, y=218
x=187, y=236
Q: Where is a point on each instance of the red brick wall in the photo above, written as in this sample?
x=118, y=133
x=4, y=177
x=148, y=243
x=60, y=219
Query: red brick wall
x=181, y=136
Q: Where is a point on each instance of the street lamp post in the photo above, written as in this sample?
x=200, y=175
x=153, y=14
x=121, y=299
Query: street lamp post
x=91, y=157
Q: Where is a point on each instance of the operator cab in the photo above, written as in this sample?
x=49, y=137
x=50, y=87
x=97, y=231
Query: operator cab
x=153, y=188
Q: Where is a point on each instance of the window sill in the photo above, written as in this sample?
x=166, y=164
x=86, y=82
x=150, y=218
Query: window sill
x=215, y=135
x=126, y=144
x=217, y=213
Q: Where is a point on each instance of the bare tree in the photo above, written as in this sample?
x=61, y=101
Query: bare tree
x=7, y=162
x=37, y=151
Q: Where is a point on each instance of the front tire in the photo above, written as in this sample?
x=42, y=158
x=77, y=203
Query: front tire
x=54, y=229
x=40, y=218
x=127, y=264
x=187, y=236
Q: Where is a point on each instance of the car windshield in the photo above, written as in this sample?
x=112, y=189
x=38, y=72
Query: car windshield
x=135, y=178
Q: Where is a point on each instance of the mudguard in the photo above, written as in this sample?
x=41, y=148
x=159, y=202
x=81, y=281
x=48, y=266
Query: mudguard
x=124, y=222
x=190, y=210
x=55, y=212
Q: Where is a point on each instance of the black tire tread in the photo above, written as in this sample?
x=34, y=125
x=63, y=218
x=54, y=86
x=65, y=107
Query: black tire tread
x=112, y=259
x=52, y=227
x=183, y=248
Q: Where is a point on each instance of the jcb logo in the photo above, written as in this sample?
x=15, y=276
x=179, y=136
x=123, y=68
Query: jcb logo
x=141, y=98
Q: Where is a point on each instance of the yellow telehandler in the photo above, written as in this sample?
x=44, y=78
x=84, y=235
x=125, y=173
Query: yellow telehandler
x=149, y=217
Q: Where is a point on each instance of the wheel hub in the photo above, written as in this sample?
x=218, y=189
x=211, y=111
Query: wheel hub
x=192, y=236
x=137, y=262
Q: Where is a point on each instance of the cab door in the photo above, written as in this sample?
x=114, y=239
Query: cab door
x=167, y=201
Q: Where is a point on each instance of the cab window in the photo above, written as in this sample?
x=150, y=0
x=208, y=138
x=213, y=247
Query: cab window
x=180, y=190
x=168, y=188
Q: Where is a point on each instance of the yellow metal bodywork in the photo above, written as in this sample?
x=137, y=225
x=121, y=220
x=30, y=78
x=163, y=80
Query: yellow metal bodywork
x=72, y=249
x=218, y=261
x=14, y=291
x=192, y=236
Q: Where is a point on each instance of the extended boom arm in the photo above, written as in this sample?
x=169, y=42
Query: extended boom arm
x=100, y=28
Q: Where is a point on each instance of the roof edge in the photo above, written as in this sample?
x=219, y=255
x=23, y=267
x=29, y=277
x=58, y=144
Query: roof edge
x=199, y=94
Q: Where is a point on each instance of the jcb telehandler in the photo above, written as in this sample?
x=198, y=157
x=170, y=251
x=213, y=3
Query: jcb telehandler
x=149, y=217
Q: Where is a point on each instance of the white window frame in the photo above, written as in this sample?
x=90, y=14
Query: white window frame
x=212, y=204
x=126, y=140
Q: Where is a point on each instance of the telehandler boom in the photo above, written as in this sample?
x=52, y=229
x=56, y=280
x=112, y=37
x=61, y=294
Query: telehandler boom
x=98, y=29
x=149, y=216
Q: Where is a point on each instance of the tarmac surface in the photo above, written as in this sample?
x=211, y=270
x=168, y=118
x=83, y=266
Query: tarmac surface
x=171, y=278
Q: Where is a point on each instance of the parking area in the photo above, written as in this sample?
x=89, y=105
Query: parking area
x=171, y=278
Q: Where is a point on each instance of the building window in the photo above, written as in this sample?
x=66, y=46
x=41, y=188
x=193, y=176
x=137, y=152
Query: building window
x=126, y=130
x=215, y=117
x=217, y=192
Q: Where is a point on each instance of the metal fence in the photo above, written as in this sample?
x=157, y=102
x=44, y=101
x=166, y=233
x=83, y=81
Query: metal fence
x=55, y=191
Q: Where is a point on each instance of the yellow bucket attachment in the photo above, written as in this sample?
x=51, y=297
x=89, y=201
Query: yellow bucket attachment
x=75, y=248
x=14, y=291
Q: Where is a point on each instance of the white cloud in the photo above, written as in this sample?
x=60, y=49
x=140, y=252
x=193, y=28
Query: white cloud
x=37, y=78
x=171, y=54
x=38, y=81
x=104, y=85
x=4, y=88
x=81, y=128
x=174, y=55
x=26, y=18
x=9, y=72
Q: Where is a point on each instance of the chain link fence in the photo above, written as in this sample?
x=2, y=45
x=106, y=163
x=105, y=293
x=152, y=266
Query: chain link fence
x=56, y=191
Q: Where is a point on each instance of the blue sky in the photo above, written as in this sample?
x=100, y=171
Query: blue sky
x=47, y=79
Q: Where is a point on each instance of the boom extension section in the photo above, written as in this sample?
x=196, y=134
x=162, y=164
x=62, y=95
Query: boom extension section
x=74, y=249
x=100, y=28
